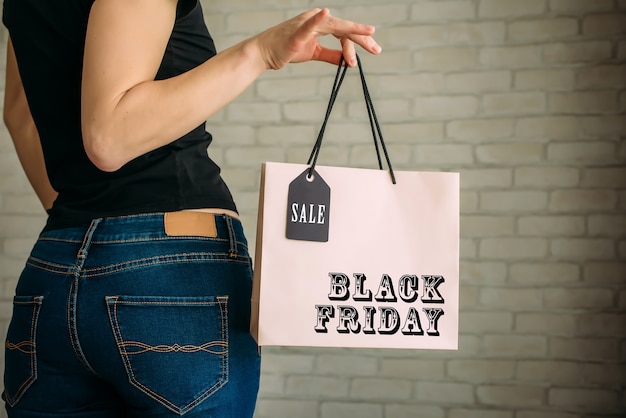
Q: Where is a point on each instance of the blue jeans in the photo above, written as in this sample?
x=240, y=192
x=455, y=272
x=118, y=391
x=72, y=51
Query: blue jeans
x=125, y=318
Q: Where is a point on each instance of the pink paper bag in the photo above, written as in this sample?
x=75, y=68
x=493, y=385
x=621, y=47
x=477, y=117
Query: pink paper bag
x=388, y=275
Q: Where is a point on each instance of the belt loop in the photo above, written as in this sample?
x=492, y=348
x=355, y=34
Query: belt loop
x=231, y=235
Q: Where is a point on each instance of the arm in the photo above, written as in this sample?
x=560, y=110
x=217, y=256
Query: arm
x=21, y=127
x=125, y=113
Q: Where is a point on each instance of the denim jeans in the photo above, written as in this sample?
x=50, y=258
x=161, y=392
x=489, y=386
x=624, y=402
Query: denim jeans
x=122, y=318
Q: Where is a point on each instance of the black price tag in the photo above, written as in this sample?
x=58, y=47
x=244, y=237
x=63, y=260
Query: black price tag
x=308, y=210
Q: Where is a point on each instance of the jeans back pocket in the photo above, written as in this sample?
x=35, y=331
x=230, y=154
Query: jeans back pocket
x=174, y=349
x=21, y=348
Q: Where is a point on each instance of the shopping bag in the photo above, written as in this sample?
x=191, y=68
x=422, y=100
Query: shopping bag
x=376, y=265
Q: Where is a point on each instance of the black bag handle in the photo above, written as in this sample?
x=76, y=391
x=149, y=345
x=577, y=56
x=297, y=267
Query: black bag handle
x=371, y=113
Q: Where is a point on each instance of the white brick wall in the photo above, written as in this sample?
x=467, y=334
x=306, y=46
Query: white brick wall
x=527, y=99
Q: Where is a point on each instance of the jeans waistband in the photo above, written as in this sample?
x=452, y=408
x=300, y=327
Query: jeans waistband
x=149, y=226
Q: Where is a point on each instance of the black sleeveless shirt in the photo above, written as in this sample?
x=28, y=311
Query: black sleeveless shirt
x=49, y=37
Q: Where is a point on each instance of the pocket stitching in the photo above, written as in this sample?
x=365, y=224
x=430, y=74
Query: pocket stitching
x=37, y=302
x=221, y=301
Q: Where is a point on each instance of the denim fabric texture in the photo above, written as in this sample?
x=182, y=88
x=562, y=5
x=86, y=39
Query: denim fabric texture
x=118, y=319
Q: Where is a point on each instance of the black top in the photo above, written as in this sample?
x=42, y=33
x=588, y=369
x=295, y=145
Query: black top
x=49, y=37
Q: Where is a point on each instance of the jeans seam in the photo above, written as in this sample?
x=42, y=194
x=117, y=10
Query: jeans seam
x=73, y=296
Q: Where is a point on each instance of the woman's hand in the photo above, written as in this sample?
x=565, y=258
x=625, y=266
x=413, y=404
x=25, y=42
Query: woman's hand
x=296, y=40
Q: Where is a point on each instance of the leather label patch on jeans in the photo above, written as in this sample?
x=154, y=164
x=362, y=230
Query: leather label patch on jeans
x=196, y=224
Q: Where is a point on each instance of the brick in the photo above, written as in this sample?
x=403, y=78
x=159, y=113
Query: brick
x=483, y=322
x=382, y=389
x=396, y=61
x=349, y=410
x=588, y=102
x=576, y=52
x=344, y=133
x=413, y=132
x=480, y=413
x=602, y=325
x=469, y=202
x=513, y=201
x=310, y=111
x=547, y=177
x=605, y=125
x=444, y=59
x=483, y=272
x=604, y=76
x=409, y=85
x=486, y=178
x=511, y=299
x=542, y=30
x=487, y=226
x=286, y=88
x=344, y=365
x=376, y=13
x=578, y=7
x=444, y=155
x=515, y=346
x=317, y=386
x=280, y=408
x=392, y=110
x=548, y=226
x=330, y=155
x=582, y=151
x=545, y=79
x=481, y=129
x=607, y=273
x=444, y=392
x=478, y=81
x=252, y=21
x=468, y=247
x=21, y=226
x=603, y=374
x=510, y=153
x=582, y=200
x=271, y=384
x=480, y=371
x=545, y=324
x=555, y=372
x=553, y=127
x=510, y=395
x=544, y=273
x=253, y=112
x=288, y=363
x=510, y=57
x=412, y=368
x=613, y=177
x=468, y=297
x=583, y=248
x=445, y=10
x=574, y=298
x=365, y=156
x=284, y=133
x=476, y=33
x=404, y=411
x=592, y=399
x=604, y=25
x=514, y=103
x=513, y=248
x=607, y=225
x=22, y=204
x=398, y=36
x=510, y=8
x=445, y=107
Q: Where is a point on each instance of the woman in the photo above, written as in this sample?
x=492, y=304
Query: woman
x=135, y=299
